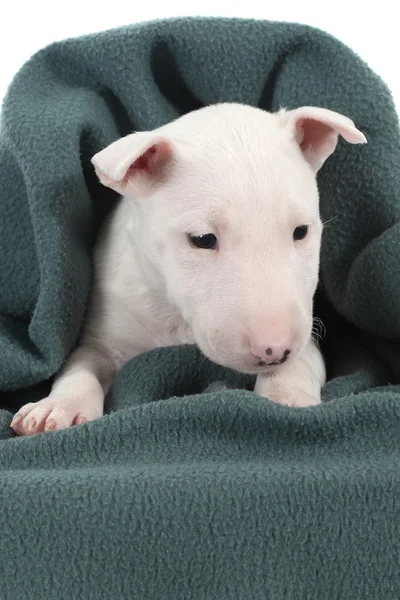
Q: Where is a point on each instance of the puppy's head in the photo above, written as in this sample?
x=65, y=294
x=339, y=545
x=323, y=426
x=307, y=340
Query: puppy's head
x=229, y=202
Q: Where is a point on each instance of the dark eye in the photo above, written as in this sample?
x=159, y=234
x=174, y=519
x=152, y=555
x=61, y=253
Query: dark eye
x=300, y=232
x=208, y=241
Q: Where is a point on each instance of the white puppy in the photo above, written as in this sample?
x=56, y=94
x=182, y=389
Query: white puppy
x=216, y=242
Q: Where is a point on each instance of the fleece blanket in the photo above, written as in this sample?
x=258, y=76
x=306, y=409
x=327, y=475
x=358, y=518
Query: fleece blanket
x=192, y=486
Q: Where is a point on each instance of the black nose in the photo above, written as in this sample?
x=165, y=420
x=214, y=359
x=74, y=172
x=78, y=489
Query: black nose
x=269, y=351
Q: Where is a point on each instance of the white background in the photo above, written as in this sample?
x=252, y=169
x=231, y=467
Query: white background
x=372, y=30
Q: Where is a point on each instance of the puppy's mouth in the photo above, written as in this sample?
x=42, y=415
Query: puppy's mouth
x=241, y=366
x=264, y=363
x=247, y=364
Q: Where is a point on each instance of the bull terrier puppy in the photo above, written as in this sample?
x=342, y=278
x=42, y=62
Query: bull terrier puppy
x=215, y=242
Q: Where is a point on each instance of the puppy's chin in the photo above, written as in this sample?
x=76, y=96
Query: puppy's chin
x=220, y=358
x=244, y=363
x=232, y=361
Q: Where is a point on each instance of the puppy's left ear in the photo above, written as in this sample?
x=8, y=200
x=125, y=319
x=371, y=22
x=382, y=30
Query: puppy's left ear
x=316, y=130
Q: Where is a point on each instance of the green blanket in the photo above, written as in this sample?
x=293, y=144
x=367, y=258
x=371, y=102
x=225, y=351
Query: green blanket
x=192, y=487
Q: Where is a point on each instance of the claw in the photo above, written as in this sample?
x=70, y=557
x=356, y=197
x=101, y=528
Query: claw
x=50, y=425
x=16, y=420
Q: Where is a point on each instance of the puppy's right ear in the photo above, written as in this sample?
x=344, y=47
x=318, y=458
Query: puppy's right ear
x=134, y=164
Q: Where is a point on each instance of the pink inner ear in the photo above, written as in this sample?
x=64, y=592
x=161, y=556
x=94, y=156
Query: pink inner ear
x=316, y=136
x=143, y=162
x=151, y=162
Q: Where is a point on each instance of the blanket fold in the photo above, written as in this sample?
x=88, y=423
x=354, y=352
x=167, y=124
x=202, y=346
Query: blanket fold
x=192, y=486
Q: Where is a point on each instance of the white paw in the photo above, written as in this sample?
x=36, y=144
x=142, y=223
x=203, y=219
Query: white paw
x=295, y=399
x=286, y=394
x=55, y=413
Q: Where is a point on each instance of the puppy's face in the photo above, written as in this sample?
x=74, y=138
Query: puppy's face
x=236, y=231
x=230, y=206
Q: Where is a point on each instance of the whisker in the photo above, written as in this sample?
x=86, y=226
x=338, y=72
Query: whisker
x=329, y=221
x=318, y=328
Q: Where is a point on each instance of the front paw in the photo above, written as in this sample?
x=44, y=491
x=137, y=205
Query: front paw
x=54, y=413
x=287, y=395
x=295, y=399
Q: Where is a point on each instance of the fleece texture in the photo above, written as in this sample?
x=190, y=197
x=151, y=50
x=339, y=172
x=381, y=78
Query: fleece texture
x=192, y=487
